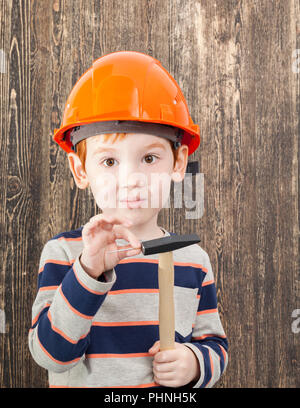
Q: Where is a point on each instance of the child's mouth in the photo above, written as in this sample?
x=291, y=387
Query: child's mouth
x=132, y=203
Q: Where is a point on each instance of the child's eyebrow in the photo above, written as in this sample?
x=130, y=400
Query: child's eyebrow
x=103, y=149
x=157, y=144
x=152, y=145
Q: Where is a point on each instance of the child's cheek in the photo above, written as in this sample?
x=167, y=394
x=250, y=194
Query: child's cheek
x=160, y=189
x=155, y=189
x=104, y=190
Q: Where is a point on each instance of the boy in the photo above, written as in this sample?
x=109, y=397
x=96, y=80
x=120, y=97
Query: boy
x=95, y=317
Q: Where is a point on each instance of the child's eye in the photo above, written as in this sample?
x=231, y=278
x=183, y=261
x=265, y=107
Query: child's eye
x=149, y=158
x=110, y=162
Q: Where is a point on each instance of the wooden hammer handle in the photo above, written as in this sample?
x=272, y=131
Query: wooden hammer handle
x=166, y=301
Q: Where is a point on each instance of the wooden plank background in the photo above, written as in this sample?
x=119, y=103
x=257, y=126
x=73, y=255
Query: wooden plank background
x=236, y=64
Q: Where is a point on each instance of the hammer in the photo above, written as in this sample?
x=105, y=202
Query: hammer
x=164, y=247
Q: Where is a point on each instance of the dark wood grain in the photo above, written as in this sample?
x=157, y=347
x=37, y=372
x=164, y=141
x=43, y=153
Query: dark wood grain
x=233, y=61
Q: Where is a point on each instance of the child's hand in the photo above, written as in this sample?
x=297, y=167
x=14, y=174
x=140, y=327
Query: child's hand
x=174, y=368
x=99, y=236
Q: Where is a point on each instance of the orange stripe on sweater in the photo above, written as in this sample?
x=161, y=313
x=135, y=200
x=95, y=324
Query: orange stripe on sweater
x=127, y=355
x=69, y=239
x=43, y=288
x=202, y=312
x=56, y=262
x=211, y=368
x=54, y=359
x=72, y=308
x=223, y=352
x=61, y=333
x=208, y=283
x=121, y=291
x=155, y=261
x=38, y=315
x=95, y=292
x=208, y=335
x=153, y=384
x=137, y=323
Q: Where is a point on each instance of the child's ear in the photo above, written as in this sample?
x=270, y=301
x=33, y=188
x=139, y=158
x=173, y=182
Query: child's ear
x=77, y=170
x=180, y=164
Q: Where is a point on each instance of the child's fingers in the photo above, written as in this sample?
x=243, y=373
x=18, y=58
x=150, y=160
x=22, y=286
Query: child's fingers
x=166, y=356
x=123, y=233
x=123, y=248
x=161, y=370
x=155, y=348
x=106, y=222
x=166, y=383
x=132, y=252
x=110, y=219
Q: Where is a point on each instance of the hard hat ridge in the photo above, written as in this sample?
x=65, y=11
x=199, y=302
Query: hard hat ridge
x=79, y=133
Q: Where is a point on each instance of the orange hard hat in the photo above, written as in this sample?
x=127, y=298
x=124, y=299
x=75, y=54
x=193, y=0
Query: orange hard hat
x=127, y=86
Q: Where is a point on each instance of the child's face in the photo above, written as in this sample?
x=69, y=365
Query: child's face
x=131, y=176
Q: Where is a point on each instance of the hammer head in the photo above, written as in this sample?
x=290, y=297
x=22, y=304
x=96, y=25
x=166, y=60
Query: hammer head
x=170, y=243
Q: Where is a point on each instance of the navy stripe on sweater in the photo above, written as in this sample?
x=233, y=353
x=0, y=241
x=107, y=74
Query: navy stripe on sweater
x=69, y=234
x=75, y=293
x=207, y=364
x=140, y=275
x=126, y=339
x=122, y=339
x=52, y=274
x=215, y=345
x=208, y=297
x=57, y=346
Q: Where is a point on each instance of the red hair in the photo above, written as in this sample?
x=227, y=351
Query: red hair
x=81, y=146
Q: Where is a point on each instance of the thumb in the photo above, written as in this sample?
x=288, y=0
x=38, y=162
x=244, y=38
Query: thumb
x=155, y=348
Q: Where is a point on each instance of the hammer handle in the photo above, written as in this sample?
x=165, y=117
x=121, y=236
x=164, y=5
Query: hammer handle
x=166, y=301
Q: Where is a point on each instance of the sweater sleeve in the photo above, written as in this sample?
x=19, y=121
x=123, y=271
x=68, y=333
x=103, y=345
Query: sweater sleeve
x=66, y=302
x=209, y=342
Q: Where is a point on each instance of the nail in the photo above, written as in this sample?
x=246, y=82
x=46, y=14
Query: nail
x=119, y=250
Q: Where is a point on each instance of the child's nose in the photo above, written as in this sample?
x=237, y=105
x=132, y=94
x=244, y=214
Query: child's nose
x=131, y=177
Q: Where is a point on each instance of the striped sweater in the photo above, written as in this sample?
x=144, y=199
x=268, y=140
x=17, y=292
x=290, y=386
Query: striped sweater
x=90, y=333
